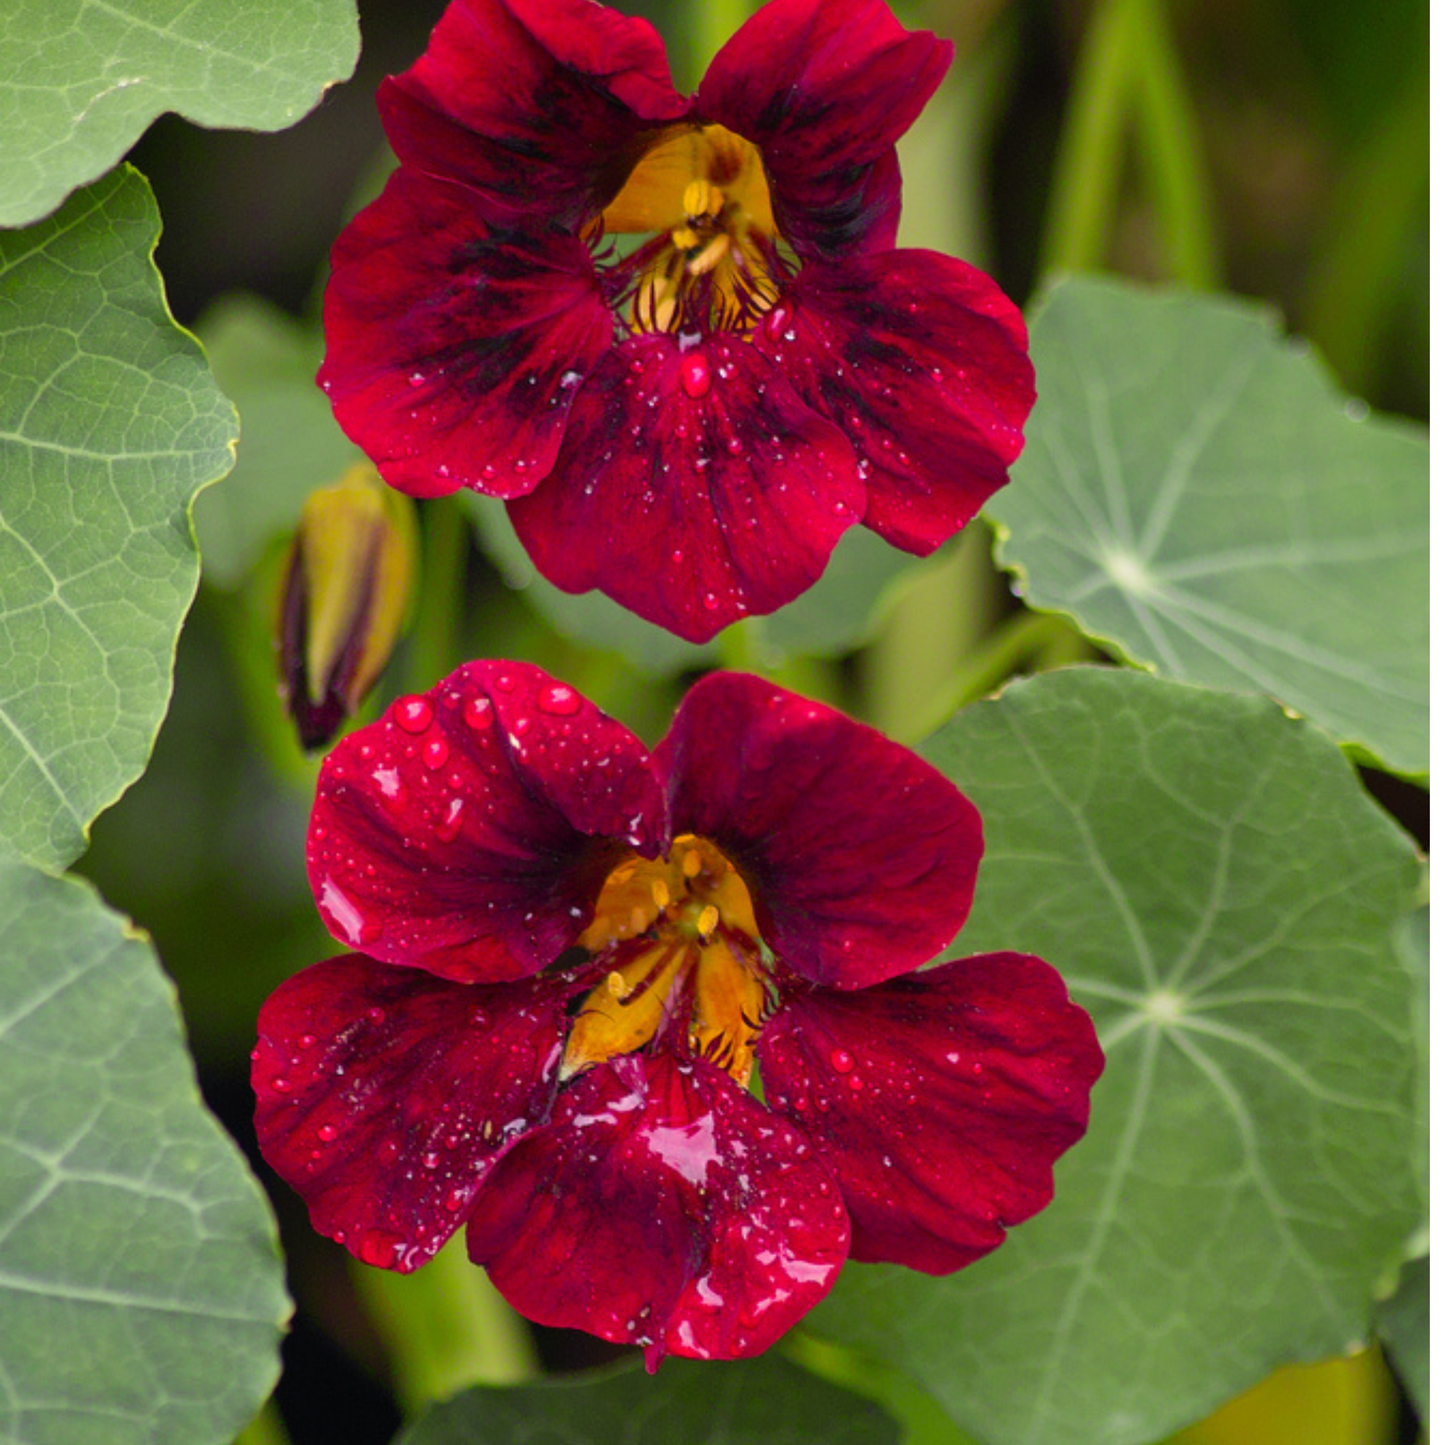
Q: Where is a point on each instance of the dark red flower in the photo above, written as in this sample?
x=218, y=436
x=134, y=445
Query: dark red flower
x=573, y=952
x=691, y=422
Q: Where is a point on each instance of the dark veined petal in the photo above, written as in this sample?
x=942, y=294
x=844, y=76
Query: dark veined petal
x=662, y=1206
x=540, y=107
x=939, y=1101
x=825, y=88
x=383, y=1096
x=468, y=831
x=860, y=856
x=453, y=353
x=922, y=361
x=692, y=487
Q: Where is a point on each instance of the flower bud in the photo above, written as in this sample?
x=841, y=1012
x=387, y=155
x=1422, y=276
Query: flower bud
x=345, y=591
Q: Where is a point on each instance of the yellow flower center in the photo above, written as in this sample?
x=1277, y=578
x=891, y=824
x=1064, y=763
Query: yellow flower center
x=702, y=194
x=684, y=930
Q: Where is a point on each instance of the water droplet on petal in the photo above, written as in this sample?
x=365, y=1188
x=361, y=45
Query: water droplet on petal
x=478, y=712
x=559, y=700
x=695, y=374
x=841, y=1060
x=326, y=1133
x=376, y=1014
x=434, y=752
x=412, y=714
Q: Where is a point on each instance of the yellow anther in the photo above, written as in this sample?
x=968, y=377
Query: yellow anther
x=638, y=919
x=707, y=921
x=616, y=984
x=660, y=895
x=702, y=198
x=691, y=863
x=714, y=251
x=685, y=238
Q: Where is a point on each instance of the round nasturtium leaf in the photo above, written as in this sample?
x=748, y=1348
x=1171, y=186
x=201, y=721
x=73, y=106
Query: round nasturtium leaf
x=1199, y=496
x=765, y=1401
x=141, y=1295
x=109, y=425
x=1217, y=889
x=80, y=80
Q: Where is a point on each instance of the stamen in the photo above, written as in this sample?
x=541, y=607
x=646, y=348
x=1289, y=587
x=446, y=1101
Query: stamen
x=660, y=895
x=616, y=984
x=691, y=863
x=702, y=198
x=715, y=250
x=707, y=921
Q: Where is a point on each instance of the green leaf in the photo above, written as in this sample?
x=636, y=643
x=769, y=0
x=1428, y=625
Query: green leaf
x=290, y=443
x=141, y=1297
x=749, y=1402
x=109, y=424
x=1404, y=1326
x=1199, y=496
x=835, y=615
x=1216, y=888
x=81, y=79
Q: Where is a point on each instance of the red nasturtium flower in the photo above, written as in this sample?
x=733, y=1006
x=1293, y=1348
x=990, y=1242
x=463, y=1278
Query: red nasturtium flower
x=572, y=951
x=691, y=422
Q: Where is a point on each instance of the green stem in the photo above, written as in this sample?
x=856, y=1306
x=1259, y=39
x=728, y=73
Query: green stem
x=445, y=1327
x=1356, y=275
x=738, y=646
x=1173, y=154
x=1024, y=636
x=1091, y=151
x=266, y=1429
x=436, y=628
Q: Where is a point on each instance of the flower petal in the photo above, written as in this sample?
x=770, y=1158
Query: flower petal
x=692, y=487
x=539, y=106
x=453, y=353
x=384, y=1096
x=939, y=1101
x=934, y=386
x=824, y=89
x=860, y=857
x=662, y=1206
x=469, y=830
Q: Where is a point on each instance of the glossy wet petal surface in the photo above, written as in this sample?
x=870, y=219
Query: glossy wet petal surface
x=469, y=830
x=861, y=857
x=939, y=1101
x=662, y=1206
x=383, y=1096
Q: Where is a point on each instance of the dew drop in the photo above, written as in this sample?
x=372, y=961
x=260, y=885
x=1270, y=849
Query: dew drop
x=841, y=1060
x=326, y=1133
x=412, y=714
x=435, y=752
x=281, y=1084
x=478, y=712
x=559, y=700
x=709, y=600
x=376, y=1014
x=695, y=375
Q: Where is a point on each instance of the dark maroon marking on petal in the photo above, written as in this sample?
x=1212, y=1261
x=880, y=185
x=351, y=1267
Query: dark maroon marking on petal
x=923, y=362
x=939, y=1101
x=540, y=108
x=662, y=1206
x=453, y=354
x=692, y=487
x=825, y=90
x=384, y=1096
x=468, y=831
x=860, y=856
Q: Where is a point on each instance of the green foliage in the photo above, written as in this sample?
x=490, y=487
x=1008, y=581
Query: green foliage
x=140, y=1289
x=1215, y=887
x=749, y=1402
x=81, y=79
x=1404, y=1325
x=1199, y=497
x=109, y=425
x=290, y=443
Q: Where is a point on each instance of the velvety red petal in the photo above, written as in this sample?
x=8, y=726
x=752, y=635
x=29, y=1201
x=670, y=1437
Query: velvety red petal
x=824, y=88
x=692, y=487
x=468, y=831
x=923, y=362
x=662, y=1206
x=539, y=106
x=860, y=856
x=383, y=1096
x=939, y=1101
x=453, y=354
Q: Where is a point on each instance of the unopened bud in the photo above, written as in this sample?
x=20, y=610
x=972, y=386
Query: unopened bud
x=346, y=586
